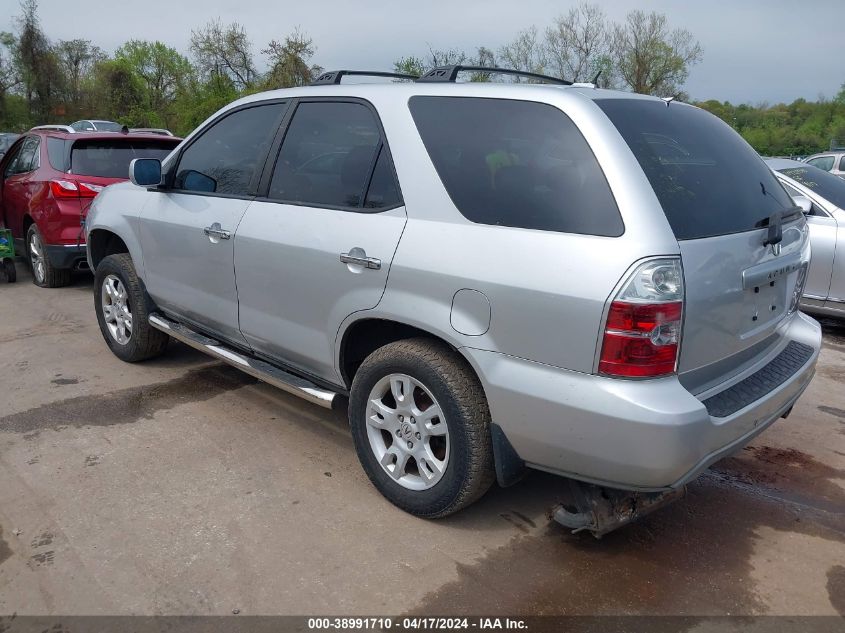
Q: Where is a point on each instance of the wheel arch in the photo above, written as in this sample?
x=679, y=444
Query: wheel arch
x=101, y=244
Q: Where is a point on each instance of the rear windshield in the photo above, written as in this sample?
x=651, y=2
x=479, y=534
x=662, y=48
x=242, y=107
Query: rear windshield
x=111, y=158
x=822, y=182
x=707, y=178
x=516, y=163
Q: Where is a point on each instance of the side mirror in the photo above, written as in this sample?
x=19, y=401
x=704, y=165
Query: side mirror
x=145, y=172
x=803, y=202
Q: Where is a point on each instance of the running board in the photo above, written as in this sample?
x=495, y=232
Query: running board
x=259, y=369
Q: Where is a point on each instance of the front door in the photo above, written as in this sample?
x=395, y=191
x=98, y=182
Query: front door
x=186, y=228
x=318, y=247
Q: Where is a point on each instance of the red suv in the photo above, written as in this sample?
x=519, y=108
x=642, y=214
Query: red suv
x=48, y=179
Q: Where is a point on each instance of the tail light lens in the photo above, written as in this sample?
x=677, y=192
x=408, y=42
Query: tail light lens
x=74, y=189
x=643, y=330
x=800, y=281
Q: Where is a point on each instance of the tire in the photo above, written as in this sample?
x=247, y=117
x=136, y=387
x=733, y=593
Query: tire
x=10, y=271
x=438, y=377
x=44, y=274
x=126, y=300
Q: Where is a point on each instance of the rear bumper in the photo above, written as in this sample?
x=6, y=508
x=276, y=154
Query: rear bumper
x=638, y=435
x=66, y=255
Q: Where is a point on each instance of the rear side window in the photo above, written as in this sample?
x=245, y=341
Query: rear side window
x=328, y=158
x=56, y=153
x=225, y=157
x=842, y=164
x=516, y=163
x=708, y=179
x=110, y=158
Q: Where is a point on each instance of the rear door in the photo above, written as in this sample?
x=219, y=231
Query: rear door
x=318, y=246
x=186, y=228
x=719, y=197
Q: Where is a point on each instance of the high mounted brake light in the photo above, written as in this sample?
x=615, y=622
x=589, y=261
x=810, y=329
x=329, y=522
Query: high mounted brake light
x=643, y=330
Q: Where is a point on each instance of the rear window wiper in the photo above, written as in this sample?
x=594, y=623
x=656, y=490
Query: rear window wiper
x=775, y=222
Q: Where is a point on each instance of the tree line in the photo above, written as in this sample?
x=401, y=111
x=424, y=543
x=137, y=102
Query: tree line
x=150, y=84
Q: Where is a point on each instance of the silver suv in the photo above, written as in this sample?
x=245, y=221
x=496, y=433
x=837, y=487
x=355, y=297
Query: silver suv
x=597, y=284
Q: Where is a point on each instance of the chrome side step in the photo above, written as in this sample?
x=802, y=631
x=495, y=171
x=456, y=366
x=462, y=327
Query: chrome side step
x=252, y=366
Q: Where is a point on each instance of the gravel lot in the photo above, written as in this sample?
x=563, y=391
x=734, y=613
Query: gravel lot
x=180, y=486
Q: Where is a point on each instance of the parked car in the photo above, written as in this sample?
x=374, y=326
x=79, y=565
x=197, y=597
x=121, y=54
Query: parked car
x=825, y=289
x=6, y=140
x=97, y=126
x=834, y=162
x=47, y=182
x=497, y=276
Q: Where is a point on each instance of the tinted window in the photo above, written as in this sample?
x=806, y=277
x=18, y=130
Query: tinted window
x=708, y=179
x=13, y=161
x=383, y=192
x=27, y=158
x=842, y=164
x=225, y=157
x=110, y=158
x=824, y=183
x=516, y=163
x=327, y=155
x=822, y=162
x=56, y=153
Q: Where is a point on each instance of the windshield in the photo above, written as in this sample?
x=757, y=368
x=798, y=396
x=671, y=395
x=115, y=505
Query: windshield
x=111, y=158
x=822, y=182
x=708, y=179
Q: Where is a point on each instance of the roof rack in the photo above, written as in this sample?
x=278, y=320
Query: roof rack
x=333, y=77
x=150, y=130
x=443, y=74
x=57, y=128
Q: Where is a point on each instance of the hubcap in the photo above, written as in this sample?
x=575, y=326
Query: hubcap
x=115, y=302
x=407, y=432
x=36, y=256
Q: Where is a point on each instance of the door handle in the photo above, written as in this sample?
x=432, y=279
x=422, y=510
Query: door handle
x=215, y=230
x=358, y=257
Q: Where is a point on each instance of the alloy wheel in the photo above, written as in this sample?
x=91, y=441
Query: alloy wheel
x=116, y=312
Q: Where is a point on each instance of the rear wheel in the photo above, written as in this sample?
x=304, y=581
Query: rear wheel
x=9, y=270
x=44, y=274
x=122, y=309
x=421, y=427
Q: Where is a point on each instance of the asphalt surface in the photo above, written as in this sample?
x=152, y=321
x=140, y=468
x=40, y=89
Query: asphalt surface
x=180, y=486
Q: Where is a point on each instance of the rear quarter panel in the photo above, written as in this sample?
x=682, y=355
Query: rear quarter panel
x=116, y=210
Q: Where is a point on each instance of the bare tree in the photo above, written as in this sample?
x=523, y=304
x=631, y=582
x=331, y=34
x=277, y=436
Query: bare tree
x=224, y=51
x=290, y=61
x=524, y=53
x=578, y=45
x=447, y=57
x=651, y=59
x=76, y=59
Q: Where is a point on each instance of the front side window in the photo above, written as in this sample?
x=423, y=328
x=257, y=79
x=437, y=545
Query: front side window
x=328, y=159
x=516, y=163
x=842, y=163
x=822, y=162
x=225, y=157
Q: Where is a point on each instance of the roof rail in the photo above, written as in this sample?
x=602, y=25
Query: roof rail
x=150, y=130
x=57, y=128
x=334, y=76
x=443, y=74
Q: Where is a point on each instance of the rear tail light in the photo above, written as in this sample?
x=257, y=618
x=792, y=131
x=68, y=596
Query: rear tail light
x=798, y=290
x=74, y=189
x=643, y=329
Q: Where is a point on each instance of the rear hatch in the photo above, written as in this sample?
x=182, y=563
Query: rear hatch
x=727, y=211
x=100, y=162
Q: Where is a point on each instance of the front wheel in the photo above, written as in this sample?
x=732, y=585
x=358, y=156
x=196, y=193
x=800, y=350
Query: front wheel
x=122, y=310
x=421, y=427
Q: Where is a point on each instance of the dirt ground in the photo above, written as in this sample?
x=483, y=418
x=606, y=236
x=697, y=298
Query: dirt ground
x=181, y=486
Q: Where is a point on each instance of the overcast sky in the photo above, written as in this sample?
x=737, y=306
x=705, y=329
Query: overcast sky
x=754, y=50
